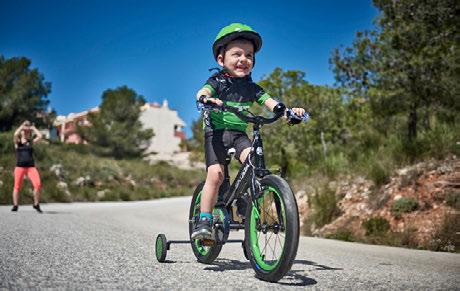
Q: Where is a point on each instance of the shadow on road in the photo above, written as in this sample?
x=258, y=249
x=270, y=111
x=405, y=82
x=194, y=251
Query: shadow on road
x=296, y=277
x=316, y=265
x=55, y=212
x=292, y=278
x=221, y=265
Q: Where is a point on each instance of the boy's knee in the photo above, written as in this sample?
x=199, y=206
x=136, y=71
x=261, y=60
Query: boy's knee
x=215, y=175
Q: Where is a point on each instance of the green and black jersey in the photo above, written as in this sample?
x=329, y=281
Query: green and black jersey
x=236, y=92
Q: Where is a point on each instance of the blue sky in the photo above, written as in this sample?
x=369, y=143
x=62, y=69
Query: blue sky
x=162, y=49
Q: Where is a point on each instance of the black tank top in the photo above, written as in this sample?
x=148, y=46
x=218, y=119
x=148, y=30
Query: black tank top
x=24, y=155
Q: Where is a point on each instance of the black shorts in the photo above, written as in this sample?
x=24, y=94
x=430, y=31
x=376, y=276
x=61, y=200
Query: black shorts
x=217, y=143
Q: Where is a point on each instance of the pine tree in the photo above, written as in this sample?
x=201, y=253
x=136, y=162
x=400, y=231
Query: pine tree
x=116, y=130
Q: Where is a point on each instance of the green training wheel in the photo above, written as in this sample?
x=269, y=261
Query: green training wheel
x=161, y=247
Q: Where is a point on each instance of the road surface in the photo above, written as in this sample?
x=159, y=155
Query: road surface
x=111, y=246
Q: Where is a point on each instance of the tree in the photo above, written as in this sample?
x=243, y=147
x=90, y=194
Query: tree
x=116, y=130
x=23, y=93
x=407, y=65
x=303, y=144
x=195, y=144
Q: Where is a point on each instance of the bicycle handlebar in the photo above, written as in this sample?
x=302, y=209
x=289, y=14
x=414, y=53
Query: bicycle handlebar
x=256, y=119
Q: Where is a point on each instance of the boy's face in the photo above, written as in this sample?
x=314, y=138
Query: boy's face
x=238, y=59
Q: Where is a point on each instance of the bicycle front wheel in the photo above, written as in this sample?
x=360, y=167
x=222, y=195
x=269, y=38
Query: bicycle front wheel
x=272, y=229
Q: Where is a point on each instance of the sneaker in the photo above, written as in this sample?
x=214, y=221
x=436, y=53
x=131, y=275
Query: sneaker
x=202, y=229
x=15, y=208
x=37, y=207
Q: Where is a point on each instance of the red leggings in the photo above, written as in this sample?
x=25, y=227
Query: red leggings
x=31, y=173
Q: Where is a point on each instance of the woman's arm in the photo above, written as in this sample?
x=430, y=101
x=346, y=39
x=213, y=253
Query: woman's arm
x=16, y=135
x=38, y=134
x=18, y=131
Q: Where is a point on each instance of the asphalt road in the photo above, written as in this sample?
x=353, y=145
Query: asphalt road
x=111, y=246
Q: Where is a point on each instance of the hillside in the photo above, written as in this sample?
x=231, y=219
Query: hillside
x=72, y=173
x=418, y=208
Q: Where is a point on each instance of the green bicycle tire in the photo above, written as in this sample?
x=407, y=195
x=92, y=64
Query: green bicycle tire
x=280, y=202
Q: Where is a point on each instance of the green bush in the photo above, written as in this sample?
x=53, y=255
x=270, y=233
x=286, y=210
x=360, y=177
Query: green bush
x=445, y=239
x=324, y=206
x=342, y=234
x=453, y=199
x=376, y=226
x=403, y=205
x=440, y=140
x=335, y=164
x=378, y=173
x=6, y=143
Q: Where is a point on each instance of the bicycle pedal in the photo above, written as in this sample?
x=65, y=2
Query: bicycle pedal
x=208, y=242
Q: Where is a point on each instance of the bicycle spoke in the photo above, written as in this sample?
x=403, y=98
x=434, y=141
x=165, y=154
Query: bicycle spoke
x=274, y=220
x=269, y=216
x=281, y=244
x=266, y=243
x=266, y=210
x=270, y=247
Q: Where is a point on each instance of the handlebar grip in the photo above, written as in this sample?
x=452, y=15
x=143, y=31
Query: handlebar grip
x=293, y=118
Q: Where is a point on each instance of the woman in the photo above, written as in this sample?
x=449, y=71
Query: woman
x=23, y=142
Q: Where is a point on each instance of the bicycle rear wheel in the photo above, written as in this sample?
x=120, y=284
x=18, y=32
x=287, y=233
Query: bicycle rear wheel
x=205, y=254
x=272, y=229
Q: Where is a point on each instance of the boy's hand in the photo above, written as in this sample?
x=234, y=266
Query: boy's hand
x=296, y=115
x=298, y=111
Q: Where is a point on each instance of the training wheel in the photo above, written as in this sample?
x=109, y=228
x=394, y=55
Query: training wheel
x=161, y=247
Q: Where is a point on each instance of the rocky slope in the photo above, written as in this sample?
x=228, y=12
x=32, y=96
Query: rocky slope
x=419, y=207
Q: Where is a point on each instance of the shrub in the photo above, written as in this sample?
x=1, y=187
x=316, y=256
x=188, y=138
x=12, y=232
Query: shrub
x=342, y=234
x=440, y=140
x=445, y=237
x=453, y=199
x=378, y=173
x=403, y=205
x=376, y=226
x=324, y=206
x=334, y=164
x=6, y=143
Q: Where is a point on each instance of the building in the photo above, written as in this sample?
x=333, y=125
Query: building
x=66, y=126
x=165, y=122
x=167, y=127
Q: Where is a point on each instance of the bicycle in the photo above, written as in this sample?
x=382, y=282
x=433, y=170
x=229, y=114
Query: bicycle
x=264, y=202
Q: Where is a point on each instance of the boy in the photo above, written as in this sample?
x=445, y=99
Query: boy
x=234, y=50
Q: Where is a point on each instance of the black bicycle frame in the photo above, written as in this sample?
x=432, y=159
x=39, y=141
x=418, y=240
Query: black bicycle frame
x=253, y=166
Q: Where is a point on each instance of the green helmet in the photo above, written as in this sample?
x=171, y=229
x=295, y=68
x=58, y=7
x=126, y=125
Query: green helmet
x=234, y=31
